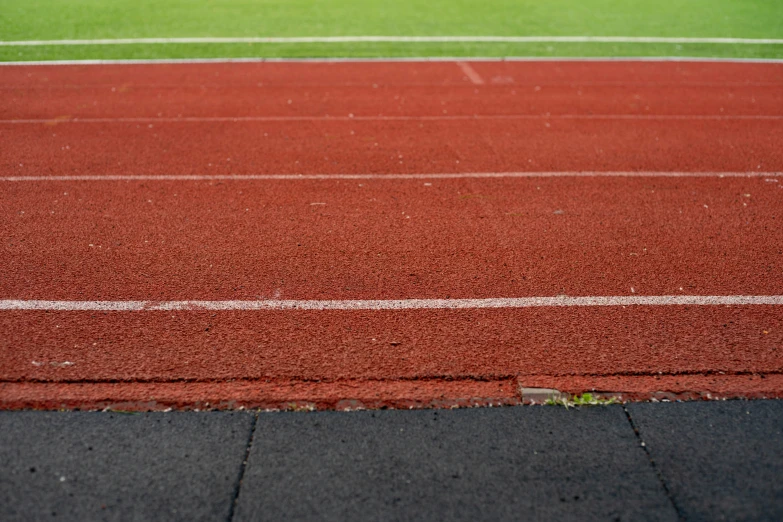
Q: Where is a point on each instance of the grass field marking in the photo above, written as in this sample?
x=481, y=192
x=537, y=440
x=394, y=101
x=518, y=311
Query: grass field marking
x=401, y=59
x=382, y=177
x=452, y=117
x=398, y=39
x=396, y=304
x=471, y=73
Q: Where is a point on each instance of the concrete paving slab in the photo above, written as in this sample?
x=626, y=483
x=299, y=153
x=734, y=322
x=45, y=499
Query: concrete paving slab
x=719, y=460
x=535, y=463
x=113, y=466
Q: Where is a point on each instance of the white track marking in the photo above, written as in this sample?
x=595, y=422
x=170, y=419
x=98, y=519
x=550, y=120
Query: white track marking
x=447, y=175
x=422, y=59
x=397, y=39
x=471, y=73
x=396, y=304
x=453, y=117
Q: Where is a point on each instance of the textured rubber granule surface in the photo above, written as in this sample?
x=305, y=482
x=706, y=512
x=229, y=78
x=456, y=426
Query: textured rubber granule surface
x=160, y=240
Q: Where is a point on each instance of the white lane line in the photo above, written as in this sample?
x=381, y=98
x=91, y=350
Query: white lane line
x=447, y=175
x=403, y=59
x=396, y=304
x=397, y=39
x=453, y=117
x=471, y=73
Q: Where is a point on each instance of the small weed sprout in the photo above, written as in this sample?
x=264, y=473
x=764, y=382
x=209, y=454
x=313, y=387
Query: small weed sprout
x=586, y=399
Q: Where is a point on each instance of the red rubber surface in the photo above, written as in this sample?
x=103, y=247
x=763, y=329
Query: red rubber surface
x=389, y=239
x=392, y=239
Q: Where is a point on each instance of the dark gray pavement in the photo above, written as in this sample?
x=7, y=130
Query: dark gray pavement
x=112, y=466
x=479, y=464
x=719, y=461
x=687, y=461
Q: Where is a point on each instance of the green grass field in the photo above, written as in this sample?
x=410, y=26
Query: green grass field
x=93, y=19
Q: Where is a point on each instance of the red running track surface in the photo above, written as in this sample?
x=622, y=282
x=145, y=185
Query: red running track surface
x=375, y=238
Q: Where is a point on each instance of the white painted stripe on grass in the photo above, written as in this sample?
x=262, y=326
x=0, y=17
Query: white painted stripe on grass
x=402, y=59
x=447, y=175
x=396, y=304
x=452, y=117
x=397, y=39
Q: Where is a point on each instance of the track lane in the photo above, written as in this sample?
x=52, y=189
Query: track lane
x=327, y=147
x=391, y=239
x=383, y=100
x=399, y=345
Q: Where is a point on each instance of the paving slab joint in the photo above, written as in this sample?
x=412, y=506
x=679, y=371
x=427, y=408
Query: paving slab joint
x=242, y=467
x=659, y=474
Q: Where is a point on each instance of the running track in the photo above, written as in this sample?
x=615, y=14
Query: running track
x=322, y=234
